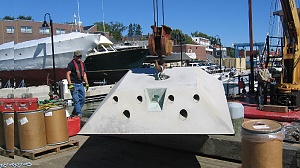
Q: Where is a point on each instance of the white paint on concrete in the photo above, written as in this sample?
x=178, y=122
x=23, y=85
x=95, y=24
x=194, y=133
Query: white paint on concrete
x=191, y=101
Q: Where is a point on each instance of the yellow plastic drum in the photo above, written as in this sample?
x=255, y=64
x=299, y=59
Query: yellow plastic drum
x=32, y=132
x=56, y=126
x=262, y=142
x=2, y=138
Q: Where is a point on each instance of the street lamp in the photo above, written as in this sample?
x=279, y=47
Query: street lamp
x=45, y=24
x=180, y=38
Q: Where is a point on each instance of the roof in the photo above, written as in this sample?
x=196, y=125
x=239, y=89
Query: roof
x=86, y=28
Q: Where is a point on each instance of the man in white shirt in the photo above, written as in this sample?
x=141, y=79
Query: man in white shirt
x=264, y=78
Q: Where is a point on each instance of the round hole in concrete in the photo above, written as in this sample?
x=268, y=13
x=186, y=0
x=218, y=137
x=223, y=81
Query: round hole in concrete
x=140, y=99
x=171, y=98
x=126, y=113
x=183, y=114
x=116, y=99
x=196, y=97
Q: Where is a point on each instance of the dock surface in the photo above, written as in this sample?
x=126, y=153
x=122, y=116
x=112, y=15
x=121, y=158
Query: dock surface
x=105, y=151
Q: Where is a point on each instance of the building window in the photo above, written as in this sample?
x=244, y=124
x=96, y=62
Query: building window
x=10, y=29
x=44, y=30
x=26, y=29
x=60, y=31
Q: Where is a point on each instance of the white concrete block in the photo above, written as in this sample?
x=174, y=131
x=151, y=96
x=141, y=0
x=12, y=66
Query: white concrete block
x=190, y=102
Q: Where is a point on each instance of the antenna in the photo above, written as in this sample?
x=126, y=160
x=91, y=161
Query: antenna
x=78, y=11
x=103, y=18
x=79, y=21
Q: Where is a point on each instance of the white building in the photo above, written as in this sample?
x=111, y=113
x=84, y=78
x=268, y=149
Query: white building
x=202, y=41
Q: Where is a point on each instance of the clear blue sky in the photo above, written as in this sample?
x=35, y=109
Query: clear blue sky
x=228, y=19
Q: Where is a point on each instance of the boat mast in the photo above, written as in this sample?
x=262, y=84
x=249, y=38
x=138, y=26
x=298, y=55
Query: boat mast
x=103, y=18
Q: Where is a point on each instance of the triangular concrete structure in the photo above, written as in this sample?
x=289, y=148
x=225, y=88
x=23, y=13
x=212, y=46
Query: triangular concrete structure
x=191, y=101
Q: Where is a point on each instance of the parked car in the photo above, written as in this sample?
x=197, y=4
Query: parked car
x=194, y=64
x=204, y=66
x=215, y=66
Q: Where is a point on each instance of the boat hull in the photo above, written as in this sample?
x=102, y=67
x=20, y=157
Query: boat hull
x=103, y=77
x=126, y=59
x=32, y=77
x=33, y=60
x=45, y=76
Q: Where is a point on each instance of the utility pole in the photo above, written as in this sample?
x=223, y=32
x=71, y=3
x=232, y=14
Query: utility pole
x=251, y=48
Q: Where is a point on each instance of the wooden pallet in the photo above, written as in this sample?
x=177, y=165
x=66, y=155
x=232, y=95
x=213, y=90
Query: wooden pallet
x=9, y=154
x=50, y=150
x=275, y=108
x=2, y=152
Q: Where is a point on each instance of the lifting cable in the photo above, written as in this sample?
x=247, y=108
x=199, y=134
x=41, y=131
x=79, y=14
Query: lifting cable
x=155, y=12
x=163, y=12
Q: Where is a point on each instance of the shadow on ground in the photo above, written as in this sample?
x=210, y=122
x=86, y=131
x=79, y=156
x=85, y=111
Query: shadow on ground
x=112, y=152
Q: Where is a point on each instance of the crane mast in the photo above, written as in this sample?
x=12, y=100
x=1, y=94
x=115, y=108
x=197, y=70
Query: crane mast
x=289, y=88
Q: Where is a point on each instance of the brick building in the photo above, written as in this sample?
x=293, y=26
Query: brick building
x=199, y=50
x=24, y=30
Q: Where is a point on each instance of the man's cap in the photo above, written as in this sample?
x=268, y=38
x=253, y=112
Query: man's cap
x=77, y=53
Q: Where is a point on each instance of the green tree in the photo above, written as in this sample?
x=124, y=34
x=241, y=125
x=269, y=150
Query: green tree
x=130, y=30
x=138, y=30
x=230, y=52
x=177, y=35
x=22, y=17
x=100, y=27
x=188, y=39
x=116, y=30
x=8, y=18
x=134, y=30
x=199, y=34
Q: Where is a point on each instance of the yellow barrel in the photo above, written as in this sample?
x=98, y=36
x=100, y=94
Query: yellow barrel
x=56, y=126
x=2, y=138
x=262, y=142
x=32, y=133
x=10, y=131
